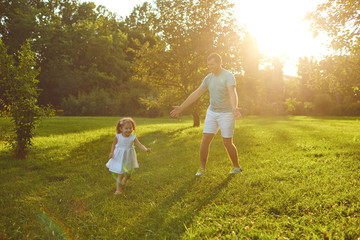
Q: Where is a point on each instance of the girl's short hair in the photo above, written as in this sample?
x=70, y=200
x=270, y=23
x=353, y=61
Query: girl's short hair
x=215, y=56
x=122, y=122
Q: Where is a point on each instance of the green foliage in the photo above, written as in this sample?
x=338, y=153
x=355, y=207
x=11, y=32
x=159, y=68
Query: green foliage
x=299, y=182
x=18, y=22
x=292, y=105
x=97, y=102
x=340, y=20
x=338, y=75
x=105, y=102
x=85, y=53
x=80, y=47
x=19, y=97
x=329, y=83
x=323, y=104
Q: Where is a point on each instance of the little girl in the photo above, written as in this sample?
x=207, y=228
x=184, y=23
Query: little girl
x=123, y=159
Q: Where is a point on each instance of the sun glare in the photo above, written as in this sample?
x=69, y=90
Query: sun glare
x=280, y=29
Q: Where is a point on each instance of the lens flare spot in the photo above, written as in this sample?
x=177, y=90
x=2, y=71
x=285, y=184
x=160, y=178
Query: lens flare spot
x=115, y=177
x=53, y=226
x=127, y=170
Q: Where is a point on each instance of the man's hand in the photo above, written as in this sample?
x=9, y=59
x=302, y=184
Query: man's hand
x=237, y=114
x=176, y=111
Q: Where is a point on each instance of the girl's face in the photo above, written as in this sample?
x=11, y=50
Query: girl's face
x=127, y=129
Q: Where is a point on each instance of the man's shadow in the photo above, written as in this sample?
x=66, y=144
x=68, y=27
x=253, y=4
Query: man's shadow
x=154, y=226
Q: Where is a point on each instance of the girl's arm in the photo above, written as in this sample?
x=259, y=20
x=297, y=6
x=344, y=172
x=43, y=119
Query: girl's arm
x=142, y=147
x=113, y=147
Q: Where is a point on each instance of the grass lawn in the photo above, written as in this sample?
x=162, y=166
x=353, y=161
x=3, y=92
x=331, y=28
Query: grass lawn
x=301, y=180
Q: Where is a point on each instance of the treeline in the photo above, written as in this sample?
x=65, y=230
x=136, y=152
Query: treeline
x=83, y=51
x=94, y=63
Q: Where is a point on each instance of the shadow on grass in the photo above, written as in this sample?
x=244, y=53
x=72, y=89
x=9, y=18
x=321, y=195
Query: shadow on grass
x=166, y=135
x=337, y=118
x=267, y=120
x=172, y=133
x=76, y=124
x=78, y=175
x=158, y=223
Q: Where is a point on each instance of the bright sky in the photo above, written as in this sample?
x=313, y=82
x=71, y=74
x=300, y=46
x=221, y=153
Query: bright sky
x=277, y=25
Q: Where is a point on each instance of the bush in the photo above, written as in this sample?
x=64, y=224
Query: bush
x=352, y=109
x=323, y=105
x=293, y=105
x=97, y=102
x=19, y=97
x=100, y=102
x=270, y=109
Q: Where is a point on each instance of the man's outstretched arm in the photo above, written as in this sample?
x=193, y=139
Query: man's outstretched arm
x=189, y=100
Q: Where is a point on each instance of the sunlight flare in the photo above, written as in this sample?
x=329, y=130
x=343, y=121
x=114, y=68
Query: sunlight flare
x=280, y=28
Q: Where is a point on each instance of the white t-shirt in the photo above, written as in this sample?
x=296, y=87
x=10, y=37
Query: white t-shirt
x=218, y=88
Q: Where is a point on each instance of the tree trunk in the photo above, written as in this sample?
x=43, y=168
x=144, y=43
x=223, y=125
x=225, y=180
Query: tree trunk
x=196, y=118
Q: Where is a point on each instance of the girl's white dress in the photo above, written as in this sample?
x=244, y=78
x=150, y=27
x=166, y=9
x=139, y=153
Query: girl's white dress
x=124, y=158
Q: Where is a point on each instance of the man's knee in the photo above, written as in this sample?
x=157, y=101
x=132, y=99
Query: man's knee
x=227, y=141
x=207, y=138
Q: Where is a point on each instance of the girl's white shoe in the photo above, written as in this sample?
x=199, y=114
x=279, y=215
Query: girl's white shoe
x=200, y=172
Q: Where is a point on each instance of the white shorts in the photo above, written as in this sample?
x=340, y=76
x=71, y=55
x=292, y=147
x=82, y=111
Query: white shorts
x=224, y=121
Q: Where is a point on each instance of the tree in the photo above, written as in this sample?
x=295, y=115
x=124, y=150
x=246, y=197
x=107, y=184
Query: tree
x=83, y=51
x=17, y=22
x=139, y=28
x=19, y=96
x=339, y=74
x=186, y=33
x=309, y=78
x=80, y=48
x=340, y=19
x=249, y=82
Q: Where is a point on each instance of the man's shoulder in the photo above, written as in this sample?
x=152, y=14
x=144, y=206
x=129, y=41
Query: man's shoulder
x=208, y=76
x=227, y=72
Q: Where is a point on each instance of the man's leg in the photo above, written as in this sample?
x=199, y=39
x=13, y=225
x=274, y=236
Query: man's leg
x=232, y=151
x=204, y=148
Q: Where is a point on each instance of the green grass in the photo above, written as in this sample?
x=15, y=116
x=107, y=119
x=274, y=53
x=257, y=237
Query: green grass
x=301, y=181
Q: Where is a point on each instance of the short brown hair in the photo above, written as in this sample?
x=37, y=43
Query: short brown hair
x=215, y=56
x=122, y=122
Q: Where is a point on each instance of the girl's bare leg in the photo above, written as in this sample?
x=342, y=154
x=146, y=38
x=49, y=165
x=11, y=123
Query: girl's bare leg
x=126, y=177
x=122, y=179
x=119, y=183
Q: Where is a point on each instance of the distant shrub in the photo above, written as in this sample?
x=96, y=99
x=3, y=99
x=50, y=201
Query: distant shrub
x=101, y=102
x=308, y=108
x=269, y=109
x=351, y=109
x=97, y=102
x=323, y=105
x=293, y=105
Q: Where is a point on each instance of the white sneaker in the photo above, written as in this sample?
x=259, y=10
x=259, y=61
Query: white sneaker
x=200, y=172
x=236, y=170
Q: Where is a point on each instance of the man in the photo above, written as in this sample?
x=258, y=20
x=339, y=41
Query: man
x=221, y=113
